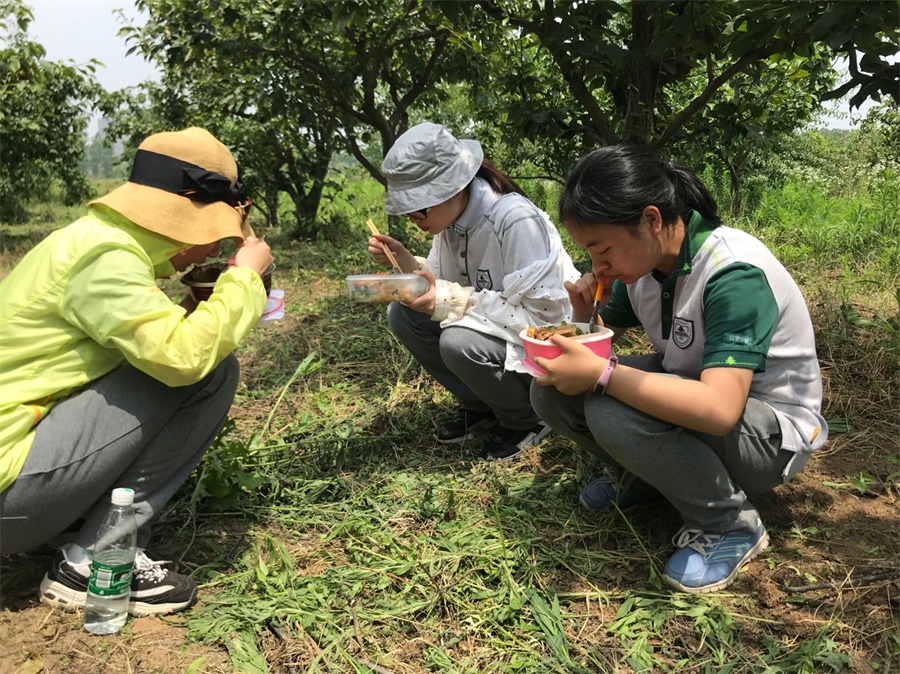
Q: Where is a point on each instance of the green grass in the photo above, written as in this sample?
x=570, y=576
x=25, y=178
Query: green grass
x=370, y=554
x=362, y=541
x=330, y=533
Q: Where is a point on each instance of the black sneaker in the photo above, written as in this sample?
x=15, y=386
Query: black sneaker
x=507, y=443
x=153, y=588
x=65, y=584
x=158, y=590
x=464, y=426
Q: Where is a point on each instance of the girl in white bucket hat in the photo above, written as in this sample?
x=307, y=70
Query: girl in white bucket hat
x=104, y=381
x=496, y=267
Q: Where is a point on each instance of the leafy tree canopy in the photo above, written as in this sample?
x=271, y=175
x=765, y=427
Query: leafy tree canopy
x=293, y=83
x=43, y=117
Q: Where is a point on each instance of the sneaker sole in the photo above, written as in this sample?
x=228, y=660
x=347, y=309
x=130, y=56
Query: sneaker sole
x=480, y=425
x=752, y=554
x=140, y=608
x=503, y=458
x=60, y=596
x=534, y=439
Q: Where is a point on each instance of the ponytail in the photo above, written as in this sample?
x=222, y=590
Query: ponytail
x=499, y=181
x=692, y=192
x=614, y=184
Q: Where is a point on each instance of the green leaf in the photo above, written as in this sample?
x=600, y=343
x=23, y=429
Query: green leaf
x=195, y=666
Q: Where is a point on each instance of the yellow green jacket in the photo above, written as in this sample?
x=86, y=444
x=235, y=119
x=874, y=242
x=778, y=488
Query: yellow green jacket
x=84, y=301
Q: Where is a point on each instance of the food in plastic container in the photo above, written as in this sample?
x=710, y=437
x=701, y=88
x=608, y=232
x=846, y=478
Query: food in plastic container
x=202, y=279
x=386, y=287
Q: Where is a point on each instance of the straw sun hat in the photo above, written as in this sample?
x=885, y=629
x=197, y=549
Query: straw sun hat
x=183, y=185
x=426, y=166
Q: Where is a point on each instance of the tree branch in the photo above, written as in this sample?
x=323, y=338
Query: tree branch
x=711, y=88
x=353, y=147
x=884, y=575
x=546, y=33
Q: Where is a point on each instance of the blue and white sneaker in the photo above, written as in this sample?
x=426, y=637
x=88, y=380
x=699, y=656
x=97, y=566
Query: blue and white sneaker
x=707, y=561
x=603, y=492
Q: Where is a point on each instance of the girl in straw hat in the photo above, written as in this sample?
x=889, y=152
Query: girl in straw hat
x=496, y=267
x=104, y=382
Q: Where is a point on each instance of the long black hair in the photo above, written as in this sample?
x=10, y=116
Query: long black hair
x=614, y=184
x=499, y=181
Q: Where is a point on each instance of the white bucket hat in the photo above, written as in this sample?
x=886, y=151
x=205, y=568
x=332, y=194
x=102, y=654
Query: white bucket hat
x=426, y=166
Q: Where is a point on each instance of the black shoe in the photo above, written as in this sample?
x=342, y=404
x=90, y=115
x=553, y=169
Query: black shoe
x=158, y=590
x=464, y=426
x=153, y=588
x=507, y=443
x=65, y=584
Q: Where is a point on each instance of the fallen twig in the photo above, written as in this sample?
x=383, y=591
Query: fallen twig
x=884, y=575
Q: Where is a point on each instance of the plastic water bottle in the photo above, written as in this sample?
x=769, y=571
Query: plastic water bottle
x=112, y=567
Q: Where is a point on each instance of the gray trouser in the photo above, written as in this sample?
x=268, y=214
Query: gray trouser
x=708, y=478
x=467, y=363
x=124, y=430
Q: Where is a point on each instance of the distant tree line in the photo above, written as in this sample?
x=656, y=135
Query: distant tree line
x=102, y=156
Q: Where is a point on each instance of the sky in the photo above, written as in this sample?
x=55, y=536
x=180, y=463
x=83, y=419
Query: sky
x=79, y=30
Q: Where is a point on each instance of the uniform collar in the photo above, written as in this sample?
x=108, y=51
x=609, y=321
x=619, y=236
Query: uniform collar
x=698, y=230
x=481, y=199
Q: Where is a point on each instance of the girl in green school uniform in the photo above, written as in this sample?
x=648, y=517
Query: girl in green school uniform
x=728, y=406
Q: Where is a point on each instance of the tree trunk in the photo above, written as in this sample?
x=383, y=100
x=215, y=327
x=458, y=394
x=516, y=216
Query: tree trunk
x=640, y=88
x=734, y=177
x=271, y=200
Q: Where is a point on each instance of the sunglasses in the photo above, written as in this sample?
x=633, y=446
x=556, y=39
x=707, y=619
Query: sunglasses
x=420, y=214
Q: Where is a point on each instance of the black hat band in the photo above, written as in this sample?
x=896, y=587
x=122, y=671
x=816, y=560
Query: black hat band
x=185, y=179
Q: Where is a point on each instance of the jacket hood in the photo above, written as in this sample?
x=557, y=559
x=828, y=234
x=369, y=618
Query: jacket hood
x=160, y=249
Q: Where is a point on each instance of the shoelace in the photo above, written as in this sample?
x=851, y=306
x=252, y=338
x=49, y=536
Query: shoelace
x=701, y=541
x=147, y=568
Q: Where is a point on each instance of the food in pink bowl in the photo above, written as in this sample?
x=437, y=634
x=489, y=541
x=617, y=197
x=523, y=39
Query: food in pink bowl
x=538, y=344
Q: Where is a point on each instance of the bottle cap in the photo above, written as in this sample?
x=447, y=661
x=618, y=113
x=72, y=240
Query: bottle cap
x=122, y=496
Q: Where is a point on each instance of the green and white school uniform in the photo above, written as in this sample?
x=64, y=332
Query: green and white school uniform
x=731, y=303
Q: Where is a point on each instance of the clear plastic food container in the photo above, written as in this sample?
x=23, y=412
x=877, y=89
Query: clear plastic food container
x=386, y=287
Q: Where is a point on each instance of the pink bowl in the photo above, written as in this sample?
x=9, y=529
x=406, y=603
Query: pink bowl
x=598, y=342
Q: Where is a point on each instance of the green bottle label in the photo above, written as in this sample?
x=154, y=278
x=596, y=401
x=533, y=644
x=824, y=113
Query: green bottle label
x=110, y=580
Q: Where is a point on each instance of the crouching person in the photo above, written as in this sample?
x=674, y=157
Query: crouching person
x=728, y=406
x=104, y=381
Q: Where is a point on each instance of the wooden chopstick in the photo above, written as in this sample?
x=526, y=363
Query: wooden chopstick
x=387, y=251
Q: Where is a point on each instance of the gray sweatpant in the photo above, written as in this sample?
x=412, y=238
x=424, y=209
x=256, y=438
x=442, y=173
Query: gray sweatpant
x=467, y=363
x=126, y=429
x=708, y=478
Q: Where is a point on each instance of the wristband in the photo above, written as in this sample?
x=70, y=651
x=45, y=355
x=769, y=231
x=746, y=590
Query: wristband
x=603, y=380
